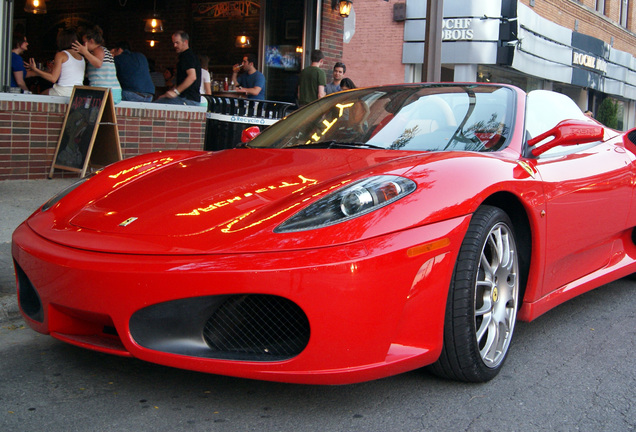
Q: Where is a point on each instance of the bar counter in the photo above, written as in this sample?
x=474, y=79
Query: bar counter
x=230, y=93
x=30, y=127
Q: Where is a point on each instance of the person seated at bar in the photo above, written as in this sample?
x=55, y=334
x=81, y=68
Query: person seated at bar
x=186, y=90
x=67, y=69
x=206, y=79
x=133, y=73
x=101, y=64
x=18, y=69
x=251, y=82
x=168, y=76
x=157, y=77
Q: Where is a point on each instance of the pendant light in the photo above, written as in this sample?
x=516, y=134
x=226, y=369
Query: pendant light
x=154, y=24
x=35, y=6
x=243, y=41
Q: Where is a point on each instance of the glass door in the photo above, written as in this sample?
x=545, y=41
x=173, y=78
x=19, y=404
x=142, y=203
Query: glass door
x=283, y=42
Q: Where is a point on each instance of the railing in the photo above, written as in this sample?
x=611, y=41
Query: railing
x=228, y=116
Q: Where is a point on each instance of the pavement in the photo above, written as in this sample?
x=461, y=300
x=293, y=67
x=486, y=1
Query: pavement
x=18, y=199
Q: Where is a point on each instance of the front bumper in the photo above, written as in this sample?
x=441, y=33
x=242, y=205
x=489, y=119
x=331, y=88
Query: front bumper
x=373, y=308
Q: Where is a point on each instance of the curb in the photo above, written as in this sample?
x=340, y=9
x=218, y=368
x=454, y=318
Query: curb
x=9, y=310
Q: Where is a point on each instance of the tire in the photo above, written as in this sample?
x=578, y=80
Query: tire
x=481, y=309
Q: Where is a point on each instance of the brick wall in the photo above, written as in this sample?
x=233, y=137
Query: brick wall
x=29, y=132
x=374, y=54
x=331, y=37
x=603, y=27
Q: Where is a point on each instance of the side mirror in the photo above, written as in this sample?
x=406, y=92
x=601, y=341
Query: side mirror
x=249, y=134
x=568, y=132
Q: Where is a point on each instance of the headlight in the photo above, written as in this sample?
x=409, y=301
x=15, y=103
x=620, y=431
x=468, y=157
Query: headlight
x=352, y=201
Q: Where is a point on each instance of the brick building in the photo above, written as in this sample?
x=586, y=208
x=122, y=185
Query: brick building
x=583, y=48
x=32, y=123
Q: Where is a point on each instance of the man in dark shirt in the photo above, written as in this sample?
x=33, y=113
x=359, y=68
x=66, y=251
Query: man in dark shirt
x=312, y=81
x=186, y=92
x=133, y=74
x=252, y=82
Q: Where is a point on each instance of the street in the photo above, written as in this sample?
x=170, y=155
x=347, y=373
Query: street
x=572, y=369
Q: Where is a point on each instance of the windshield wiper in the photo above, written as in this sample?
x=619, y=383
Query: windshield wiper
x=353, y=144
x=337, y=144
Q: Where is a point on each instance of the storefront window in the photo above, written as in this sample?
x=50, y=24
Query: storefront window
x=282, y=59
x=507, y=76
x=620, y=114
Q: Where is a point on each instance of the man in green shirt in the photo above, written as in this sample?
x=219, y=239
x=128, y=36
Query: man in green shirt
x=312, y=81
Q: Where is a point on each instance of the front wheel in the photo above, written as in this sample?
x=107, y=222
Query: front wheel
x=482, y=303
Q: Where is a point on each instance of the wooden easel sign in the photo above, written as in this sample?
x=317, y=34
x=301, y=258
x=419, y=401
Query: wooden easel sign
x=89, y=136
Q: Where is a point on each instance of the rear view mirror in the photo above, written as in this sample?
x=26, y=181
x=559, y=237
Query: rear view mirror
x=567, y=132
x=249, y=134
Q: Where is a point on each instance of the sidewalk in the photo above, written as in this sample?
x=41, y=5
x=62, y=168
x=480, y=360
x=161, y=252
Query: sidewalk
x=18, y=199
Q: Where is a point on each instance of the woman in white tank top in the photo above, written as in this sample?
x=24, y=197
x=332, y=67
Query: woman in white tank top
x=68, y=67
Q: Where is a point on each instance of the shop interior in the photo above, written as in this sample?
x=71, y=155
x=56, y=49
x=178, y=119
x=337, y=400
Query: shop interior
x=224, y=31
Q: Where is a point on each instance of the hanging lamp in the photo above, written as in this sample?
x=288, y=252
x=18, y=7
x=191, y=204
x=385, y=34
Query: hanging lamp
x=154, y=24
x=35, y=6
x=243, y=41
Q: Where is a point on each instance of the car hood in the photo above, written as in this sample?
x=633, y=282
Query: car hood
x=223, y=202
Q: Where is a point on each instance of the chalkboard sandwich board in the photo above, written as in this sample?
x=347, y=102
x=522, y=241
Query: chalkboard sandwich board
x=89, y=137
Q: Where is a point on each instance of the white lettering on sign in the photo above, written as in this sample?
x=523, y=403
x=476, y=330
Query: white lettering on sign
x=457, y=29
x=240, y=119
x=589, y=61
x=601, y=65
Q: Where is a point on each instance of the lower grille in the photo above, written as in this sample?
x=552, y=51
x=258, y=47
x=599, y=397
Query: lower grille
x=258, y=328
x=28, y=296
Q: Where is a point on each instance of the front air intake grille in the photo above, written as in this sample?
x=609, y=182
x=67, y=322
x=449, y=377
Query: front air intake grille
x=28, y=296
x=257, y=328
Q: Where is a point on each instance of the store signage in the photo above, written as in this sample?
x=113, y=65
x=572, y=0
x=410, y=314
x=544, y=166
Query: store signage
x=455, y=29
x=226, y=9
x=589, y=61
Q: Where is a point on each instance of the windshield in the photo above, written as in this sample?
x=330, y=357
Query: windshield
x=411, y=117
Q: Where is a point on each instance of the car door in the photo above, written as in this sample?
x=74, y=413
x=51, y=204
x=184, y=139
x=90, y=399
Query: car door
x=588, y=195
x=588, y=190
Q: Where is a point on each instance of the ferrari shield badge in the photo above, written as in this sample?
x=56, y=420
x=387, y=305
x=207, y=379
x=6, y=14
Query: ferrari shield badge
x=128, y=221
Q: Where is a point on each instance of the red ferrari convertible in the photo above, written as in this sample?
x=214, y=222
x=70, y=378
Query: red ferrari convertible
x=373, y=232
